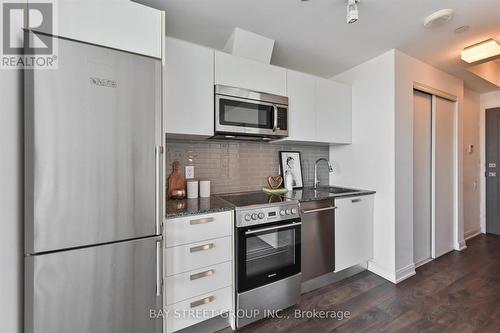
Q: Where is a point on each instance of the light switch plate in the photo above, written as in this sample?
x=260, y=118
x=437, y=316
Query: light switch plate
x=189, y=171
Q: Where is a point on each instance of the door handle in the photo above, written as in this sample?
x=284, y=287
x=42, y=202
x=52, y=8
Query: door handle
x=275, y=124
x=202, y=247
x=356, y=200
x=158, y=165
x=318, y=210
x=202, y=221
x=272, y=228
x=159, y=273
x=202, y=301
x=200, y=275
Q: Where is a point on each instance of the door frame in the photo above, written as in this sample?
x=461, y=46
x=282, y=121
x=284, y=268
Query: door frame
x=485, y=104
x=458, y=244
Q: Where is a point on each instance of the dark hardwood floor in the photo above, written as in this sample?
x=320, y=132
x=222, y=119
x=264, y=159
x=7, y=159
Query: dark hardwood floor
x=459, y=292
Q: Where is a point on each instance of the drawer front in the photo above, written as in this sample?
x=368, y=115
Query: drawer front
x=197, y=309
x=198, y=282
x=185, y=258
x=196, y=228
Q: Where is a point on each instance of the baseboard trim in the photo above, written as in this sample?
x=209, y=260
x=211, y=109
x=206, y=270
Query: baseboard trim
x=460, y=246
x=382, y=272
x=405, y=273
x=423, y=262
x=471, y=234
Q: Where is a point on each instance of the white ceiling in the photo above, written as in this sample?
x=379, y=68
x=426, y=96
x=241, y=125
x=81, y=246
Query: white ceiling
x=314, y=37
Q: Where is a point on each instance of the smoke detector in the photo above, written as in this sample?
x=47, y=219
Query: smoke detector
x=438, y=18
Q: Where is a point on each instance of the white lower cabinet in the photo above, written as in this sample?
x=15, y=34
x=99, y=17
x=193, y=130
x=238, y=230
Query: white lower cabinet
x=198, y=273
x=197, y=309
x=353, y=231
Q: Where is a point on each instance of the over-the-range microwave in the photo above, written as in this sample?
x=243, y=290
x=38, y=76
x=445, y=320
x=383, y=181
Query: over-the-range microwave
x=249, y=115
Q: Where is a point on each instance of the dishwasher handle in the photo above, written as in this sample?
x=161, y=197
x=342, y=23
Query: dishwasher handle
x=317, y=210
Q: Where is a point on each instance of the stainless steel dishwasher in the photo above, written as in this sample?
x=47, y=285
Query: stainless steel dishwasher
x=318, y=238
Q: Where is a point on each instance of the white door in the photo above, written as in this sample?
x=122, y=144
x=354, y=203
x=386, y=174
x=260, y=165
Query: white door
x=444, y=174
x=422, y=176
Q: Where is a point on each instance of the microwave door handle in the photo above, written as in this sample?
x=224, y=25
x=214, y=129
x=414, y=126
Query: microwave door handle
x=275, y=125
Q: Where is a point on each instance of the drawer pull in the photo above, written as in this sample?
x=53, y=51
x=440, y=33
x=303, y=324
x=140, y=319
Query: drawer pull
x=202, y=247
x=202, y=221
x=202, y=274
x=355, y=200
x=202, y=301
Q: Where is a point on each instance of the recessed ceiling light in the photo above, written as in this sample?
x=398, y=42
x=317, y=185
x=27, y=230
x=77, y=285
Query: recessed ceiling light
x=462, y=29
x=437, y=18
x=480, y=51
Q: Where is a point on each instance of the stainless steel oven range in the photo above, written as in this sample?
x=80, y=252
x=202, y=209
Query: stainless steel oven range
x=267, y=254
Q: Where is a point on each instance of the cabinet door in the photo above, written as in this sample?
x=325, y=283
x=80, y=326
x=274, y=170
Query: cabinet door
x=333, y=112
x=189, y=89
x=301, y=90
x=248, y=74
x=353, y=231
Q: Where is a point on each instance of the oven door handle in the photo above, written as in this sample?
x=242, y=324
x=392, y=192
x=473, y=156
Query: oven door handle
x=249, y=232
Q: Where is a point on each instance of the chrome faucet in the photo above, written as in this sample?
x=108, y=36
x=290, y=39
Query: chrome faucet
x=330, y=169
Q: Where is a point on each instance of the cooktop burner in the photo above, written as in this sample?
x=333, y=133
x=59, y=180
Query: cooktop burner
x=251, y=199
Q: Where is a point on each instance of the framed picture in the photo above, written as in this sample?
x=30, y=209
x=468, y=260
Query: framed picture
x=291, y=163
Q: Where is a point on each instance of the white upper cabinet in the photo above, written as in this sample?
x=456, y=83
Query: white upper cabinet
x=301, y=91
x=124, y=25
x=249, y=74
x=189, y=89
x=333, y=112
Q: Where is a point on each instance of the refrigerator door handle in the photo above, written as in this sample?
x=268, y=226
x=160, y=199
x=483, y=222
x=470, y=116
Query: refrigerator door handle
x=158, y=268
x=158, y=151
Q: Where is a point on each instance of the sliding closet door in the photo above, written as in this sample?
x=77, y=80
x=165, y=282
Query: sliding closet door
x=444, y=174
x=422, y=176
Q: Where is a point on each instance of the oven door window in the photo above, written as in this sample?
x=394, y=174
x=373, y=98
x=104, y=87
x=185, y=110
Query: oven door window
x=245, y=114
x=267, y=255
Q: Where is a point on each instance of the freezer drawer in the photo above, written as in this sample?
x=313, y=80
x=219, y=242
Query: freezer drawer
x=91, y=130
x=107, y=288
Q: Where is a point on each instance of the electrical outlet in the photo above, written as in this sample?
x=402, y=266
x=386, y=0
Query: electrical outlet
x=189, y=171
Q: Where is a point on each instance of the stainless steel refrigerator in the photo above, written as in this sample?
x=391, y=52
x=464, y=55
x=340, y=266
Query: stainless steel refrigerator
x=93, y=192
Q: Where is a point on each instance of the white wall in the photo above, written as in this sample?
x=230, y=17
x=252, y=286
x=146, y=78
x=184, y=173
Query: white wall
x=471, y=163
x=487, y=101
x=381, y=156
x=408, y=71
x=369, y=162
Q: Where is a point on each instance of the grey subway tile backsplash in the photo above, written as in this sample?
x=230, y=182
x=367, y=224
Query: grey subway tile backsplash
x=236, y=166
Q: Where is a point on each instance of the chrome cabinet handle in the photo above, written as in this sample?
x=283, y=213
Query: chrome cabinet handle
x=158, y=268
x=202, y=247
x=356, y=200
x=275, y=125
x=272, y=228
x=200, y=275
x=202, y=221
x=202, y=301
x=318, y=210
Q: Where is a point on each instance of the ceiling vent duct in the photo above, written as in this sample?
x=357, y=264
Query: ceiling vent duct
x=250, y=45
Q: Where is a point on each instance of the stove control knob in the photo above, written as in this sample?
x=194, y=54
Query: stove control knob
x=288, y=212
x=254, y=216
x=294, y=210
x=248, y=217
x=261, y=215
x=282, y=212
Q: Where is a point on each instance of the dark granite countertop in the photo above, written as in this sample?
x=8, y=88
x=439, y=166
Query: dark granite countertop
x=324, y=192
x=178, y=208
